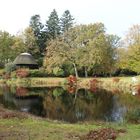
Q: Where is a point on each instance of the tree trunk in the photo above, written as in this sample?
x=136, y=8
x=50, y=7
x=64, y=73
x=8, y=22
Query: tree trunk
x=75, y=69
x=75, y=97
x=86, y=73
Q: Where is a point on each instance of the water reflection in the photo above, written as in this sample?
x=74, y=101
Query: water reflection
x=61, y=104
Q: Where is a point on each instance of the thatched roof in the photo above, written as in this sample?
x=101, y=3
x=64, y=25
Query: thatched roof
x=25, y=59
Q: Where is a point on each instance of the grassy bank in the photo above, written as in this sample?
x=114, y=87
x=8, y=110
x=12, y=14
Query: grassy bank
x=37, y=82
x=122, y=83
x=39, y=129
x=105, y=83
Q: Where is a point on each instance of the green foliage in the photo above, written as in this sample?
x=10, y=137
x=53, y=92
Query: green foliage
x=37, y=27
x=52, y=25
x=58, y=71
x=9, y=67
x=82, y=49
x=58, y=92
x=38, y=73
x=66, y=21
x=13, y=74
x=18, y=45
x=68, y=69
x=2, y=72
x=134, y=58
x=30, y=42
x=129, y=56
x=6, y=41
x=133, y=116
x=83, y=46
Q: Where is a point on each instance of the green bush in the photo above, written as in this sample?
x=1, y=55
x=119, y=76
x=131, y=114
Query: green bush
x=38, y=73
x=1, y=72
x=58, y=71
x=9, y=67
x=134, y=116
x=13, y=74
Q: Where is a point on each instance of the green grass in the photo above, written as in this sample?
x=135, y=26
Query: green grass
x=39, y=129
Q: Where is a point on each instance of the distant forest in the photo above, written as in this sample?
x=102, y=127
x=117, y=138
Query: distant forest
x=62, y=47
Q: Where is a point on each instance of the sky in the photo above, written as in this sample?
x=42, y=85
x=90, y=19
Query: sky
x=117, y=15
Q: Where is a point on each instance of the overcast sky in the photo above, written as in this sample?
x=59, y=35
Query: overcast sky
x=117, y=15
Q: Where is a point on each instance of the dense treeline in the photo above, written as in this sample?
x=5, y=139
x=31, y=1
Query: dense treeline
x=63, y=48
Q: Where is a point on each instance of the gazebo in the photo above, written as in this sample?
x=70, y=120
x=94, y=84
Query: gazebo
x=25, y=60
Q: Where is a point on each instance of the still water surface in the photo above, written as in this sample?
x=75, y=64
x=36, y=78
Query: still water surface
x=71, y=105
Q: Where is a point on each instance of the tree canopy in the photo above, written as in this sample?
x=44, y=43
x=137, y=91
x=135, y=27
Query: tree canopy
x=66, y=48
x=85, y=47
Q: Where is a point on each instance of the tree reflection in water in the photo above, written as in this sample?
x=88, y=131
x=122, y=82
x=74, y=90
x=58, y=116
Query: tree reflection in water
x=70, y=104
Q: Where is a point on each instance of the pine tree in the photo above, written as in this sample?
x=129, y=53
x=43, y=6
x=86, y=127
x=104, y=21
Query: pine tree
x=53, y=25
x=37, y=27
x=66, y=21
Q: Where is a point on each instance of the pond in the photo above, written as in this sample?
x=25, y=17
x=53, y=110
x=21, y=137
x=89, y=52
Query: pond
x=72, y=105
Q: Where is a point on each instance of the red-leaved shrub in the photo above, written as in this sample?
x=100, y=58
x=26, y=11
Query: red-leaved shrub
x=72, y=80
x=22, y=73
x=21, y=91
x=93, y=85
x=71, y=89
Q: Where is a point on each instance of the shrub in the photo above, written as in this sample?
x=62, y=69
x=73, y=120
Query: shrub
x=72, y=80
x=22, y=73
x=71, y=89
x=38, y=73
x=1, y=65
x=58, y=71
x=6, y=76
x=13, y=74
x=21, y=91
x=93, y=82
x=1, y=73
x=133, y=116
x=93, y=85
x=9, y=67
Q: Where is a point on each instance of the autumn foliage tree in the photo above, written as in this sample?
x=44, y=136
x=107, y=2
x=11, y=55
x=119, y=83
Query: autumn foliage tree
x=83, y=46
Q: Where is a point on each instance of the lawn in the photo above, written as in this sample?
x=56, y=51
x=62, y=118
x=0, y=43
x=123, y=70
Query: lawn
x=22, y=126
x=39, y=129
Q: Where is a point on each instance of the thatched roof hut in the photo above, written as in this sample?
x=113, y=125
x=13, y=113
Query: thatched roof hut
x=25, y=60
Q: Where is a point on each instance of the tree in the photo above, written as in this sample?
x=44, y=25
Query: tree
x=66, y=21
x=58, y=53
x=95, y=48
x=39, y=33
x=87, y=37
x=18, y=45
x=134, y=58
x=132, y=42
x=84, y=46
x=113, y=43
x=52, y=25
x=6, y=42
x=133, y=36
x=30, y=42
